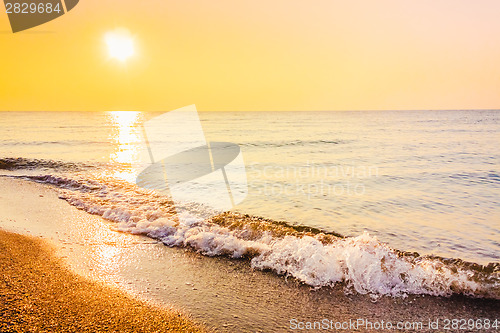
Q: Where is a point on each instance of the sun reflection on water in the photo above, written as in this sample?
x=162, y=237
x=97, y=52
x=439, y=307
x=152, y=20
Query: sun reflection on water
x=127, y=137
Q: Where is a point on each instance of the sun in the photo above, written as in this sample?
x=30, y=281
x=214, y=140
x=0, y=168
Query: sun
x=120, y=44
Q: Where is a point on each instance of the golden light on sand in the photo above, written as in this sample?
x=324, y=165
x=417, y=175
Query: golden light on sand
x=120, y=44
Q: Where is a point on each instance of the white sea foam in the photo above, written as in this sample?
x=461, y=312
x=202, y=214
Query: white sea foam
x=362, y=263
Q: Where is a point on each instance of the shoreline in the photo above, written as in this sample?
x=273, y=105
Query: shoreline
x=222, y=293
x=38, y=294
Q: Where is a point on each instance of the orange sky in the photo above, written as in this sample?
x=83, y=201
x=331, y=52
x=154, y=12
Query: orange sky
x=258, y=55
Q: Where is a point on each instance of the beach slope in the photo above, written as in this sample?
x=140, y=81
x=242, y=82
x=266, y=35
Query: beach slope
x=39, y=294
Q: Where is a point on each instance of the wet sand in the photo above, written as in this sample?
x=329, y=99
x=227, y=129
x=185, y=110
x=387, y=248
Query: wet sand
x=223, y=293
x=38, y=294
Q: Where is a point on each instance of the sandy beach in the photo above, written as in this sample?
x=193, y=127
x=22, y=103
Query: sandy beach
x=222, y=293
x=39, y=294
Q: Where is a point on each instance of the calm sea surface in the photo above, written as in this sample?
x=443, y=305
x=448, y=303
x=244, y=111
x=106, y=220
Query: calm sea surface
x=425, y=181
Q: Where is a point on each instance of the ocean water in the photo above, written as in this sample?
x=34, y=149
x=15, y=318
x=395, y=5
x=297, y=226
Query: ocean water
x=392, y=182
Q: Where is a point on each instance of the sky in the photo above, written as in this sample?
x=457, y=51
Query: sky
x=226, y=55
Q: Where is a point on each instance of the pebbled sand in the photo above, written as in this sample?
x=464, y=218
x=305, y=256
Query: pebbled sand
x=39, y=294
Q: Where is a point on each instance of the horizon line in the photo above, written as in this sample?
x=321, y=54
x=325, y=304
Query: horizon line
x=353, y=110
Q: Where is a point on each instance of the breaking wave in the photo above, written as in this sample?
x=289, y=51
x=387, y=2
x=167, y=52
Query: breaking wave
x=361, y=264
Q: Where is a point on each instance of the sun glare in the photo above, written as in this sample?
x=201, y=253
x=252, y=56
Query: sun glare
x=120, y=44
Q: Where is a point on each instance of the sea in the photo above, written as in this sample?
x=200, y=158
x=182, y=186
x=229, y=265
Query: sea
x=385, y=202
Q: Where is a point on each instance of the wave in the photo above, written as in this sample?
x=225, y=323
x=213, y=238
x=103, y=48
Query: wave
x=20, y=163
x=362, y=264
x=62, y=143
x=489, y=177
x=277, y=144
